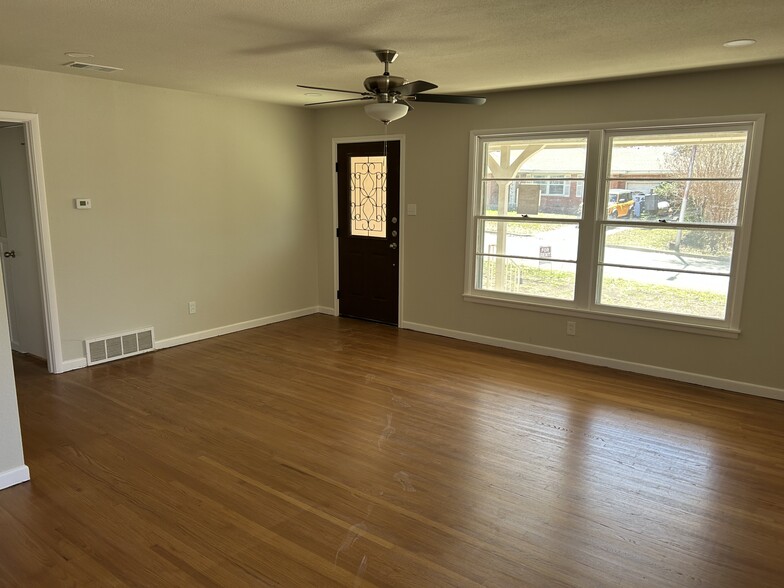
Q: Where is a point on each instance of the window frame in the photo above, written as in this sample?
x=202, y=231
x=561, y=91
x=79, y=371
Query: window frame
x=593, y=221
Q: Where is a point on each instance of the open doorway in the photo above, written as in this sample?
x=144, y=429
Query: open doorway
x=25, y=249
x=20, y=263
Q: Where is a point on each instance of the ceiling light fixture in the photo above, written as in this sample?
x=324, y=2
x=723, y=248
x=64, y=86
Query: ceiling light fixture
x=740, y=43
x=386, y=112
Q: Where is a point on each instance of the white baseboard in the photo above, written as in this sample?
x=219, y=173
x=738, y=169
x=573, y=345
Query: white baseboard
x=326, y=310
x=218, y=331
x=80, y=362
x=14, y=476
x=71, y=364
x=628, y=366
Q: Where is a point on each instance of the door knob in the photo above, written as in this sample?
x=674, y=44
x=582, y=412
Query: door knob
x=393, y=245
x=11, y=253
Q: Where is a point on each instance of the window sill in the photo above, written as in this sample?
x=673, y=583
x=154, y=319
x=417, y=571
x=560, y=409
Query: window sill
x=614, y=316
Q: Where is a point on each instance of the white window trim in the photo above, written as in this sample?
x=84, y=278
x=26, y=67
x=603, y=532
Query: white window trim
x=584, y=304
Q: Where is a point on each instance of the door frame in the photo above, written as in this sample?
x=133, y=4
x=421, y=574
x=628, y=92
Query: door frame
x=43, y=240
x=401, y=242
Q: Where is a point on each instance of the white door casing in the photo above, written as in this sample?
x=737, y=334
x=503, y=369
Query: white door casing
x=42, y=241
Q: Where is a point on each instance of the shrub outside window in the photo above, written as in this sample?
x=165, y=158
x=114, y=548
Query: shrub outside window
x=641, y=222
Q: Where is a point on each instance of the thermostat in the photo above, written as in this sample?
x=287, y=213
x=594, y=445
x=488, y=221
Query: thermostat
x=83, y=203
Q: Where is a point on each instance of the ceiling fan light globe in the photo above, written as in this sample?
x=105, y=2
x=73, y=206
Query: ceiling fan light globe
x=386, y=111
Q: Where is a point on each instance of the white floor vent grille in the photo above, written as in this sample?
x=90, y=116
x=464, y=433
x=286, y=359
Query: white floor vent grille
x=119, y=346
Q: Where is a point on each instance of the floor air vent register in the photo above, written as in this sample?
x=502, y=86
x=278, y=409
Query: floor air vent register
x=118, y=346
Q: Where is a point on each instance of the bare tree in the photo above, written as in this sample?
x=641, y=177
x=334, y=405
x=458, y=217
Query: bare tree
x=709, y=200
x=710, y=195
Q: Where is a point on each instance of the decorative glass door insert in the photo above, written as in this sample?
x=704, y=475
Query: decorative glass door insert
x=369, y=196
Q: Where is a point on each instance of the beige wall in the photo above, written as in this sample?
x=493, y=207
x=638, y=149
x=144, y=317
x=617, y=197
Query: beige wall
x=436, y=176
x=195, y=197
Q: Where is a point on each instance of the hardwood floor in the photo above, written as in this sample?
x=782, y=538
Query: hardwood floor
x=325, y=451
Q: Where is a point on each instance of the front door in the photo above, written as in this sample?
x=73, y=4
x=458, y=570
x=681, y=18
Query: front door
x=369, y=230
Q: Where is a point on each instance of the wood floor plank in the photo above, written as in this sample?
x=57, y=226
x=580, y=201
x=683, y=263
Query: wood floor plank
x=324, y=451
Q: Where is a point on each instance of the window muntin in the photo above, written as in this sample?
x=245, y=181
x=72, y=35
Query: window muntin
x=674, y=263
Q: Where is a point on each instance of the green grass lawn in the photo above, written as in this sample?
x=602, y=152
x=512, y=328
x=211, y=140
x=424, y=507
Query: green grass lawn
x=523, y=228
x=660, y=240
x=558, y=284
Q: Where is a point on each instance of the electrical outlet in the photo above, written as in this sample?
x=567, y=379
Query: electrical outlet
x=192, y=307
x=571, y=328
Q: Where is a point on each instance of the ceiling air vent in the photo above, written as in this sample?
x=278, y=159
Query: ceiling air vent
x=92, y=66
x=114, y=347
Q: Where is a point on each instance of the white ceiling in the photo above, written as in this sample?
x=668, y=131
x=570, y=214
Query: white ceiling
x=260, y=49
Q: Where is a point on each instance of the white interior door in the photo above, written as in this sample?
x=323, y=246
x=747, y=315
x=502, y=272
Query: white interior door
x=6, y=258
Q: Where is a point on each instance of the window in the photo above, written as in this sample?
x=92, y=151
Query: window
x=655, y=228
x=553, y=187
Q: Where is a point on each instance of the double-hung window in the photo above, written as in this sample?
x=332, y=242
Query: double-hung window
x=651, y=222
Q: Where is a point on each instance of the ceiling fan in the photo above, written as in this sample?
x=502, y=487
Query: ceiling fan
x=392, y=95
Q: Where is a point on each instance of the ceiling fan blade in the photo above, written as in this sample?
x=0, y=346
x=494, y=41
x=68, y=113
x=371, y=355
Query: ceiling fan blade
x=406, y=102
x=336, y=101
x=416, y=87
x=449, y=99
x=330, y=89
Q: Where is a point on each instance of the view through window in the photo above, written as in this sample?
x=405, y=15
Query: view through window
x=526, y=229
x=652, y=229
x=690, y=183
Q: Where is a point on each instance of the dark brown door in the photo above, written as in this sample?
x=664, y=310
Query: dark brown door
x=368, y=230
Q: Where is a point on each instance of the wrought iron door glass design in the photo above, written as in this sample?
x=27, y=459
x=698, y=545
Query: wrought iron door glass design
x=369, y=196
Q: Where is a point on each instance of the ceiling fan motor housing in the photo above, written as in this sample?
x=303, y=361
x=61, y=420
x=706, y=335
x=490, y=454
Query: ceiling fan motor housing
x=383, y=84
